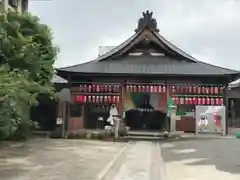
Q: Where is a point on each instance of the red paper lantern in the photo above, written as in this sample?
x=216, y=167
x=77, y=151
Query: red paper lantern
x=159, y=88
x=207, y=100
x=143, y=88
x=131, y=88
x=113, y=99
x=177, y=100
x=109, y=88
x=181, y=89
x=81, y=88
x=101, y=99
x=101, y=88
x=186, y=100
x=84, y=99
x=76, y=98
x=207, y=90
x=221, y=90
x=105, y=88
x=203, y=100
x=163, y=88
x=127, y=88
x=212, y=90
x=147, y=88
x=181, y=100
x=203, y=90
x=174, y=99
x=186, y=89
x=89, y=99
x=79, y=99
x=194, y=89
x=117, y=99
x=97, y=88
x=190, y=100
x=93, y=99
x=105, y=99
x=118, y=88
x=134, y=88
x=217, y=101
x=174, y=89
x=114, y=88
x=139, y=89
x=109, y=100
x=151, y=89
x=199, y=89
x=212, y=101
x=195, y=100
x=221, y=101
x=85, y=88
x=190, y=89
x=89, y=88
x=199, y=100
x=155, y=89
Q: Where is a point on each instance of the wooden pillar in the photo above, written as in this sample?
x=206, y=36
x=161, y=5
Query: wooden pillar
x=225, y=101
x=122, y=90
x=167, y=96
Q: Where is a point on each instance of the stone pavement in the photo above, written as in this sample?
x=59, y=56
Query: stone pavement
x=90, y=160
x=56, y=159
x=202, y=159
x=142, y=162
x=181, y=160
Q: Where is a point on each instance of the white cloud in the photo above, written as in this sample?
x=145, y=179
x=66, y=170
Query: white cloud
x=207, y=29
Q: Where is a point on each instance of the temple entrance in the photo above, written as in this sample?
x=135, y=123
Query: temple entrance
x=145, y=119
x=143, y=111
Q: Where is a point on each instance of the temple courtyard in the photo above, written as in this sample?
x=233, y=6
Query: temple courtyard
x=47, y=159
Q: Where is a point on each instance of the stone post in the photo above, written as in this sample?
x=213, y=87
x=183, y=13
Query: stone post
x=173, y=119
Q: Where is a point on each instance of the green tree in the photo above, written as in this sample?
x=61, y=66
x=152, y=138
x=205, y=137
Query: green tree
x=27, y=56
x=26, y=44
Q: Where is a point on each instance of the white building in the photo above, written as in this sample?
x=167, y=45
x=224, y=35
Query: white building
x=14, y=5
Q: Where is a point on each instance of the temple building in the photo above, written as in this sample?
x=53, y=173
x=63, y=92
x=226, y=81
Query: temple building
x=141, y=76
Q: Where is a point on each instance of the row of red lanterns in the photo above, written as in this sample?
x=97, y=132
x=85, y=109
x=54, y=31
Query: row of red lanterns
x=195, y=89
x=97, y=99
x=146, y=88
x=198, y=100
x=114, y=88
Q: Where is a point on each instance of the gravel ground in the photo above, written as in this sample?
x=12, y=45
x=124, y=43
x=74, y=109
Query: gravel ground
x=46, y=159
x=202, y=159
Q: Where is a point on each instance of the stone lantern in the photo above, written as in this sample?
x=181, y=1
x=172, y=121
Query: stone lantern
x=173, y=119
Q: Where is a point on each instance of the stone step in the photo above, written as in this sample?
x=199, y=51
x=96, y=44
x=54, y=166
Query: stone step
x=143, y=138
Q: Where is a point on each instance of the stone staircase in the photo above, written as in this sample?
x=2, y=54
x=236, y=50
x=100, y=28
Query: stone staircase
x=150, y=135
x=144, y=135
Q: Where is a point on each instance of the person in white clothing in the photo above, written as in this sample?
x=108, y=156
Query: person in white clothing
x=112, y=113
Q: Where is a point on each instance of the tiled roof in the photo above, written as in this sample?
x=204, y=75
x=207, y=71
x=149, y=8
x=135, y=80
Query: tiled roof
x=149, y=65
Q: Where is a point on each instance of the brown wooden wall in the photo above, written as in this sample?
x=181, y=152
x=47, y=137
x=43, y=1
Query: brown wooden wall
x=76, y=122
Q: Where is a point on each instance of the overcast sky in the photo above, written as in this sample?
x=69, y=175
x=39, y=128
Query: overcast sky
x=207, y=29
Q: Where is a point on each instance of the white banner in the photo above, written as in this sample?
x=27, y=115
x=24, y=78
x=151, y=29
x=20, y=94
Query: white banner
x=210, y=119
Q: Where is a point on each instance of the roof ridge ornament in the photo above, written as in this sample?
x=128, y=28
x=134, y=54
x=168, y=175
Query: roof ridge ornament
x=147, y=21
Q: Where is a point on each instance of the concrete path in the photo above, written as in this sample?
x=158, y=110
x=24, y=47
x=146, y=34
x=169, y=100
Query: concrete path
x=184, y=160
x=202, y=159
x=141, y=162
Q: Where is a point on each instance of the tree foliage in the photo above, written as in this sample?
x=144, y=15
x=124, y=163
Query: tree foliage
x=27, y=56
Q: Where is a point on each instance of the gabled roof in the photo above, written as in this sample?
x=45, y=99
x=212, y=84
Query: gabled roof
x=116, y=61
